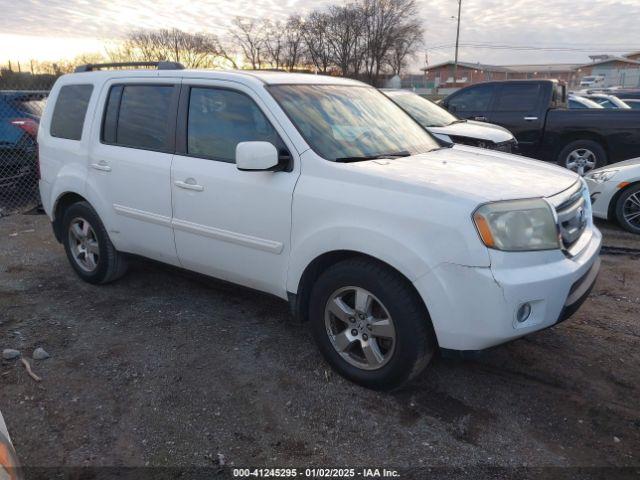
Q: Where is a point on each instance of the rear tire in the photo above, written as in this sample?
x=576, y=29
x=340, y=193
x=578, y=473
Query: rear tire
x=88, y=247
x=627, y=209
x=582, y=156
x=382, y=336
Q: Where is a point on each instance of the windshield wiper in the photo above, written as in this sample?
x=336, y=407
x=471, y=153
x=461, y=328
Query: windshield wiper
x=403, y=153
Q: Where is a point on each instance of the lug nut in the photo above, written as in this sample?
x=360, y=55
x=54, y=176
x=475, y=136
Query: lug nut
x=368, y=326
x=361, y=315
x=354, y=332
x=351, y=319
x=365, y=336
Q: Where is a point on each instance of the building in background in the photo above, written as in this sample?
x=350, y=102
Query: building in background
x=618, y=71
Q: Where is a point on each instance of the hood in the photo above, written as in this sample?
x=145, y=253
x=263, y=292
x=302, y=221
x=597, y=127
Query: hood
x=480, y=130
x=474, y=173
x=634, y=162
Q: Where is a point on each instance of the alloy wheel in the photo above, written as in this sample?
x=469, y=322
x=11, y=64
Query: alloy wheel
x=83, y=243
x=631, y=210
x=360, y=328
x=581, y=161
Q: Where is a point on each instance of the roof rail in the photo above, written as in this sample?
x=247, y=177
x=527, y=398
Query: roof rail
x=162, y=65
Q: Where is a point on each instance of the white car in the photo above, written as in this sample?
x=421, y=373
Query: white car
x=9, y=465
x=577, y=102
x=323, y=192
x=607, y=101
x=449, y=128
x=615, y=193
x=592, y=81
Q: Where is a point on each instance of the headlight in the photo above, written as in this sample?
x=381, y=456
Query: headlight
x=9, y=466
x=518, y=225
x=602, y=175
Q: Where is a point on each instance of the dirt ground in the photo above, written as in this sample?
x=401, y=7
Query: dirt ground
x=163, y=368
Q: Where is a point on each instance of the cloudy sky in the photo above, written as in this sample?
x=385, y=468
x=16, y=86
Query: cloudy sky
x=559, y=30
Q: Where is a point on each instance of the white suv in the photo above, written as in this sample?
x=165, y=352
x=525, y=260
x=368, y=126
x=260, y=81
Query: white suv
x=321, y=191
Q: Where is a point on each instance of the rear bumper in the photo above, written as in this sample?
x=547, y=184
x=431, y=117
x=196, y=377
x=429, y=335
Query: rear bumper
x=474, y=308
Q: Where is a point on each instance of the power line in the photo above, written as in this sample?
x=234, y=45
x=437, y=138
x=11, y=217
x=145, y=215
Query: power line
x=490, y=46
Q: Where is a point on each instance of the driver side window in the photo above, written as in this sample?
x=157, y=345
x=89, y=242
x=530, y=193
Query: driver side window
x=220, y=119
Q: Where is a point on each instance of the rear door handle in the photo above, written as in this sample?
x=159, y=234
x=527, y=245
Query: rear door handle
x=102, y=166
x=189, y=184
x=531, y=119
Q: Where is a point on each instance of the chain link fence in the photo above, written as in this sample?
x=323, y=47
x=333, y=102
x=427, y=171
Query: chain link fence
x=22, y=101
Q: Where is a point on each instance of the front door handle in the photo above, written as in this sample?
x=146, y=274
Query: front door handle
x=480, y=119
x=530, y=119
x=102, y=166
x=189, y=184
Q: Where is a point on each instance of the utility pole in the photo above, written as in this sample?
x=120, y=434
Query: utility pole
x=455, y=64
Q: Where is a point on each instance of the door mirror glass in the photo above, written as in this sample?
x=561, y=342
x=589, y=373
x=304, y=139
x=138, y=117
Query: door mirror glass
x=256, y=156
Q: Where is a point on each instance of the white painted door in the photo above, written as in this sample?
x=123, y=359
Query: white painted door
x=130, y=167
x=227, y=223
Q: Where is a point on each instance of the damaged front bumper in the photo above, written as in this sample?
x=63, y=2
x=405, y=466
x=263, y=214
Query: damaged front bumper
x=473, y=308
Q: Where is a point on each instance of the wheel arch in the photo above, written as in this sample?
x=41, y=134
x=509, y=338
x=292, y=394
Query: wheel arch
x=570, y=137
x=299, y=301
x=62, y=202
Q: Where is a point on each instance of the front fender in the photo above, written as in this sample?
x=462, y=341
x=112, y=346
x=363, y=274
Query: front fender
x=400, y=255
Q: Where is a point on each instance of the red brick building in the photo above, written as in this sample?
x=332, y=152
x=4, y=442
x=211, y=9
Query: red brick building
x=623, y=71
x=469, y=73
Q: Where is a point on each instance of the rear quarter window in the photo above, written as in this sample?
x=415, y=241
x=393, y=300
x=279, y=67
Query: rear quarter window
x=69, y=111
x=138, y=116
x=518, y=98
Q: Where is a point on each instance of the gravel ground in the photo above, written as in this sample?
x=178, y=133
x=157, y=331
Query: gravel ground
x=164, y=368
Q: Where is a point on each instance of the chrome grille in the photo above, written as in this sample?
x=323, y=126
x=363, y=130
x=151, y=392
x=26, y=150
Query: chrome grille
x=573, y=215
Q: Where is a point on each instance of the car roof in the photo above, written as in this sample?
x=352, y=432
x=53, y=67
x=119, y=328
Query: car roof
x=243, y=76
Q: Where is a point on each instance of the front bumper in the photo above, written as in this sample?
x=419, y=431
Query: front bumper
x=473, y=308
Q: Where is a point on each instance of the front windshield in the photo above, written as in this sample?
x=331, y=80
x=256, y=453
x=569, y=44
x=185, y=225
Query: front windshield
x=343, y=123
x=426, y=113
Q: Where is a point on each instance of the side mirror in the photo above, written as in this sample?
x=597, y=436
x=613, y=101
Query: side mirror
x=256, y=156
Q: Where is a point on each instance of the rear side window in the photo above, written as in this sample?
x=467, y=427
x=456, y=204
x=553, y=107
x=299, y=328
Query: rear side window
x=518, y=98
x=69, y=111
x=472, y=99
x=138, y=116
x=220, y=119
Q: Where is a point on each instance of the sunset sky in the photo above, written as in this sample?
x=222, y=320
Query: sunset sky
x=55, y=29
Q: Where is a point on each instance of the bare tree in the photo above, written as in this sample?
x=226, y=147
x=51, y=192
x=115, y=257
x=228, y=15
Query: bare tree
x=274, y=43
x=408, y=41
x=248, y=34
x=384, y=22
x=344, y=38
x=316, y=41
x=293, y=43
x=194, y=50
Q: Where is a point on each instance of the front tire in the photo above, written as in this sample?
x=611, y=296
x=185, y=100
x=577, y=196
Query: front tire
x=628, y=209
x=582, y=156
x=88, y=247
x=370, y=324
